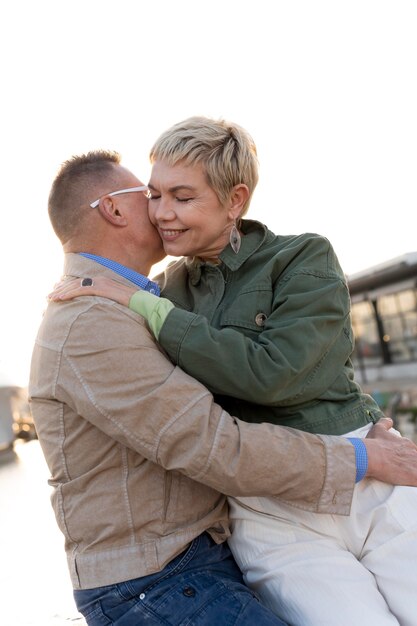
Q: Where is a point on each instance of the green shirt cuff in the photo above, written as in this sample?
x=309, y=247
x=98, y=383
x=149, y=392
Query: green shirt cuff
x=152, y=308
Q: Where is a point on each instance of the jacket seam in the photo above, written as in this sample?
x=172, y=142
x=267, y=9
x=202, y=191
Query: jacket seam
x=125, y=490
x=214, y=446
x=106, y=415
x=177, y=416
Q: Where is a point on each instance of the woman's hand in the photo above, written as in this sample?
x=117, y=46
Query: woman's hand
x=105, y=287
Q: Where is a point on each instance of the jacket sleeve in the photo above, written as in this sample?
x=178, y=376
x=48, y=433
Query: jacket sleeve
x=304, y=344
x=127, y=388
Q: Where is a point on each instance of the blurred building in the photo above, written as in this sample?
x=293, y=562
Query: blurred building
x=15, y=418
x=384, y=318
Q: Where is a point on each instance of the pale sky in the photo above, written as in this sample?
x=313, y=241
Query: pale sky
x=328, y=90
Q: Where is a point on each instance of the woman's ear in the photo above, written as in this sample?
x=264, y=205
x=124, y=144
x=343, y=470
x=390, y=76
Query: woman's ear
x=238, y=198
x=110, y=211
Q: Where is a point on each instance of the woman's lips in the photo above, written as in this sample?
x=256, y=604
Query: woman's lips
x=169, y=234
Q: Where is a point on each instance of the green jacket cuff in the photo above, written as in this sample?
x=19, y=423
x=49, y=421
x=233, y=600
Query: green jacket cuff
x=152, y=308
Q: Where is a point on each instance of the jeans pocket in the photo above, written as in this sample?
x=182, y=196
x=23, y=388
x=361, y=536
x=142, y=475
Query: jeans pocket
x=94, y=615
x=102, y=606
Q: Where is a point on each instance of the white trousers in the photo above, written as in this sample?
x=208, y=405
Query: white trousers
x=332, y=570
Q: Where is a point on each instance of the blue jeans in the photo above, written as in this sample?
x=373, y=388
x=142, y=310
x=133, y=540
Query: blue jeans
x=201, y=586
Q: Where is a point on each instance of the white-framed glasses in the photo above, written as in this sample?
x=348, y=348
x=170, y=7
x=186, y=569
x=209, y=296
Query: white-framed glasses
x=116, y=193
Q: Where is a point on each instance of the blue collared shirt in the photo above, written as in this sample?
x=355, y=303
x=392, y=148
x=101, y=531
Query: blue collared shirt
x=140, y=280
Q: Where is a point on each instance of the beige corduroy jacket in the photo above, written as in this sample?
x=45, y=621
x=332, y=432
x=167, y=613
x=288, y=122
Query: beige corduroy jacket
x=139, y=454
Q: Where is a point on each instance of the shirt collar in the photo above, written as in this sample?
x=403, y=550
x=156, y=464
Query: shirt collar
x=139, y=280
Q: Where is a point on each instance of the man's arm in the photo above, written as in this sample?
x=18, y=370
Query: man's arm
x=128, y=389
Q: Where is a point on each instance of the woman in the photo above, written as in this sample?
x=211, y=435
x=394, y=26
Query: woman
x=264, y=322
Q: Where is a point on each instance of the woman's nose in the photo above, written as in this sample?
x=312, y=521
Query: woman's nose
x=163, y=210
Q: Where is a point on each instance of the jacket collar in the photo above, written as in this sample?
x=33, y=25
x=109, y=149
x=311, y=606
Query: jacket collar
x=254, y=235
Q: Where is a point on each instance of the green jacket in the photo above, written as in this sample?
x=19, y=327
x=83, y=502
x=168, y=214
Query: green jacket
x=273, y=339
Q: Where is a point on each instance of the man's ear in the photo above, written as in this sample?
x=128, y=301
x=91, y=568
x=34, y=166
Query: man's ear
x=109, y=209
x=238, y=198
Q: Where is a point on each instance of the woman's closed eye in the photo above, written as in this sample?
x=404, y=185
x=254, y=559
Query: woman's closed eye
x=154, y=196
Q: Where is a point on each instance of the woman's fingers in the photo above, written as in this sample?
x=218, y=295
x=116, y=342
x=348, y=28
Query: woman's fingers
x=70, y=288
x=99, y=286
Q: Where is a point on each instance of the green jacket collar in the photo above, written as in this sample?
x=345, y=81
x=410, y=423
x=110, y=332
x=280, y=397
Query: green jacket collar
x=254, y=235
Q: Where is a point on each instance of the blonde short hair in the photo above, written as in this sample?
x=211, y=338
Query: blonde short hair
x=225, y=150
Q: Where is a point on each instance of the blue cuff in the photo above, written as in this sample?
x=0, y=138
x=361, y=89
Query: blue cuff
x=361, y=457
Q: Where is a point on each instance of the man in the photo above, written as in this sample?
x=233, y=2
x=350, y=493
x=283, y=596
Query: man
x=139, y=454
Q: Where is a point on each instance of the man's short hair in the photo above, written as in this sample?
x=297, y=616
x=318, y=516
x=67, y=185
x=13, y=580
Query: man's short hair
x=76, y=184
x=225, y=150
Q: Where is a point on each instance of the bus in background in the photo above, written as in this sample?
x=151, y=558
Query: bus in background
x=384, y=319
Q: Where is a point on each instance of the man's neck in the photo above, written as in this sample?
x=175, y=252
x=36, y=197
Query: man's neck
x=137, y=264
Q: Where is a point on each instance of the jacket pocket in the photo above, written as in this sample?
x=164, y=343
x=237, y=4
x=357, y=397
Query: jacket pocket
x=187, y=501
x=249, y=310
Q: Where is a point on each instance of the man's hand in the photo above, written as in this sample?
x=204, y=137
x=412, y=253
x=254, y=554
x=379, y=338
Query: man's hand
x=391, y=459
